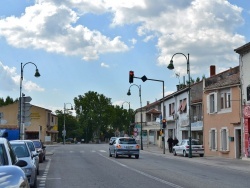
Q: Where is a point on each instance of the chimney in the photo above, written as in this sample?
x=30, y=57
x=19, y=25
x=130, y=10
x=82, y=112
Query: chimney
x=212, y=70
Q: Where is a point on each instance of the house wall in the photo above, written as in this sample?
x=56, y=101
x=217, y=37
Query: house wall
x=39, y=120
x=244, y=61
x=221, y=120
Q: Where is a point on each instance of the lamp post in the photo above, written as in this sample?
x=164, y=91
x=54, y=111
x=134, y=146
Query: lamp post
x=64, y=130
x=139, y=87
x=171, y=67
x=21, y=126
x=129, y=115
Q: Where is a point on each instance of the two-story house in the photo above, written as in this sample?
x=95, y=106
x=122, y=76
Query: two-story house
x=177, y=112
x=244, y=64
x=44, y=124
x=221, y=115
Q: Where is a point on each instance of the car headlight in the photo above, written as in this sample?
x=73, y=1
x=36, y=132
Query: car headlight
x=27, y=170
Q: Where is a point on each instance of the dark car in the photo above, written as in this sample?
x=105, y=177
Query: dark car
x=41, y=149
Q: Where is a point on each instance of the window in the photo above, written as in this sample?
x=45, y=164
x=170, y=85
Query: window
x=225, y=100
x=212, y=103
x=248, y=93
x=184, y=105
x=171, y=109
x=213, y=139
x=224, y=141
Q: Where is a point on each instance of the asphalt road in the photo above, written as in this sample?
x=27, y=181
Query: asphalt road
x=89, y=165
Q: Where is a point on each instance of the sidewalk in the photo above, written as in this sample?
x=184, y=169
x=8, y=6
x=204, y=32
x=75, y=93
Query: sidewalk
x=236, y=164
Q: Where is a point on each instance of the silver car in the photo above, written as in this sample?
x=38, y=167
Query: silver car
x=124, y=146
x=22, y=151
x=112, y=139
x=183, y=148
x=13, y=176
x=35, y=154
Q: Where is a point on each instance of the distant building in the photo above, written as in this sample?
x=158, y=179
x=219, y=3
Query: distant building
x=44, y=124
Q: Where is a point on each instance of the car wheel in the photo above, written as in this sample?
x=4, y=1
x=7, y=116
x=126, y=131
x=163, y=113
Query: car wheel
x=137, y=156
x=35, y=183
x=185, y=153
x=129, y=156
x=44, y=158
x=201, y=155
x=174, y=153
x=116, y=156
x=110, y=155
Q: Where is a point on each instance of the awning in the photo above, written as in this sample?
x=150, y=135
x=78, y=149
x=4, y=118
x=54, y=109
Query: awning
x=179, y=107
x=52, y=131
x=184, y=104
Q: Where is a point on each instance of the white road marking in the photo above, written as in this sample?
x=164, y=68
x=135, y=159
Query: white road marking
x=143, y=173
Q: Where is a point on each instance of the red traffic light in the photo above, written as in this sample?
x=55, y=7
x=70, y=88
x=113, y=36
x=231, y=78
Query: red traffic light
x=131, y=77
x=164, y=123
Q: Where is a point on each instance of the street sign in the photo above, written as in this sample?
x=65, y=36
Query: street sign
x=64, y=132
x=3, y=121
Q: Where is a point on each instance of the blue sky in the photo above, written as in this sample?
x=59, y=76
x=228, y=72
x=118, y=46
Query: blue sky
x=81, y=46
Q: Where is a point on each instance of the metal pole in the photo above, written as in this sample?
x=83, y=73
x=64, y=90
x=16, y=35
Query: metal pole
x=20, y=105
x=189, y=109
x=64, y=132
x=163, y=138
x=141, y=117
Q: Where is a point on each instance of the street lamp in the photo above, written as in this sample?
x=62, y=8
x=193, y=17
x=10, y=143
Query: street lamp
x=64, y=130
x=21, y=126
x=139, y=87
x=129, y=115
x=171, y=67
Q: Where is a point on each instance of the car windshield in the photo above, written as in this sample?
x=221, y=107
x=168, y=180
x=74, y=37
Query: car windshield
x=127, y=141
x=20, y=150
x=31, y=146
x=37, y=144
x=195, y=142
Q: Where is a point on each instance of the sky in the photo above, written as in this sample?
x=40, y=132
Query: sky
x=81, y=45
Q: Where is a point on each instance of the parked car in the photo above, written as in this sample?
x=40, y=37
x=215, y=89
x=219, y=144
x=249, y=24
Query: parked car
x=112, y=139
x=124, y=146
x=35, y=154
x=22, y=151
x=8, y=156
x=41, y=149
x=13, y=176
x=183, y=148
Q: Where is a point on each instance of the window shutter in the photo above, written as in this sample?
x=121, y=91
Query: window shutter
x=208, y=108
x=215, y=103
x=216, y=144
x=209, y=139
x=227, y=139
x=221, y=140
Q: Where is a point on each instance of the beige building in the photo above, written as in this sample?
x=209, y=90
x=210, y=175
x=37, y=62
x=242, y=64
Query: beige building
x=221, y=117
x=44, y=124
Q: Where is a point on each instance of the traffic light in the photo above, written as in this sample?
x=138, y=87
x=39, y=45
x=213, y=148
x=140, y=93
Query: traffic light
x=26, y=110
x=131, y=76
x=164, y=123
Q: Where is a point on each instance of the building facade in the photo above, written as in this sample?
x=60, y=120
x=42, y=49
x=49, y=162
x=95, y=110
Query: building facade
x=44, y=124
x=244, y=64
x=221, y=115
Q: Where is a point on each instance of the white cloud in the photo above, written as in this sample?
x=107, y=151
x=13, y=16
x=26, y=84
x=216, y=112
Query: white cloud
x=133, y=41
x=205, y=29
x=50, y=27
x=104, y=65
x=10, y=80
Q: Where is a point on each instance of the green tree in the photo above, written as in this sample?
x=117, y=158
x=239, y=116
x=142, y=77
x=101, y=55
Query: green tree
x=98, y=118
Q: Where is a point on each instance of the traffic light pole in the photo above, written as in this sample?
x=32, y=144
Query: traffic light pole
x=144, y=78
